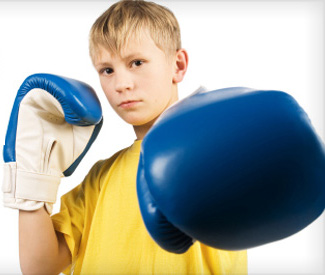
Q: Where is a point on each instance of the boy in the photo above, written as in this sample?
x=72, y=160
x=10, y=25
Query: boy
x=135, y=47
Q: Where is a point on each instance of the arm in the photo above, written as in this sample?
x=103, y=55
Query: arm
x=42, y=250
x=53, y=123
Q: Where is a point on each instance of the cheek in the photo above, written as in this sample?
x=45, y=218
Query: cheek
x=110, y=99
x=105, y=86
x=161, y=79
x=107, y=91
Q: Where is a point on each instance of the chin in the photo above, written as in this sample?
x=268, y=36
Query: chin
x=137, y=122
x=134, y=121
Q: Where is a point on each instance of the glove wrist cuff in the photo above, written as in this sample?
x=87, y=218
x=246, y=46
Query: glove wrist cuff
x=25, y=185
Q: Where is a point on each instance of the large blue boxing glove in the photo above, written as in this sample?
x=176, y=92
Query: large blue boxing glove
x=53, y=123
x=233, y=168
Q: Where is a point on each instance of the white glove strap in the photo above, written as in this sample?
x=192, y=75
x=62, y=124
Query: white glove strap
x=9, y=176
x=36, y=187
x=31, y=186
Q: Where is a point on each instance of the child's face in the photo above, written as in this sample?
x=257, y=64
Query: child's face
x=138, y=83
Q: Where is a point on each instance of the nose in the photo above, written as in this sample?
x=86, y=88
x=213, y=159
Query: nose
x=123, y=81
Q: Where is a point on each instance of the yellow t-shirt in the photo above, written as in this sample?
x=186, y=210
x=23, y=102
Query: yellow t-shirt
x=103, y=228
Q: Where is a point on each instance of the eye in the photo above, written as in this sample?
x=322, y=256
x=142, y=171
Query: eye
x=137, y=63
x=106, y=71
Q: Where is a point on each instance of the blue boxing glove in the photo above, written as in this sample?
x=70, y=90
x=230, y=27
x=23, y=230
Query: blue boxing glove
x=233, y=168
x=52, y=125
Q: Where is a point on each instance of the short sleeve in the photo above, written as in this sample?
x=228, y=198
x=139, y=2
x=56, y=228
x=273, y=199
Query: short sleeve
x=69, y=220
x=76, y=206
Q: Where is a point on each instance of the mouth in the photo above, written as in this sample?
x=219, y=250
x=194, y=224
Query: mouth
x=128, y=104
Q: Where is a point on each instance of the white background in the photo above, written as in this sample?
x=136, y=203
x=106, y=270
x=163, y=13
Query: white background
x=258, y=44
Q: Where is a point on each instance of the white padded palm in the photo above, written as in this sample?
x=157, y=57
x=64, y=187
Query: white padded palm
x=46, y=145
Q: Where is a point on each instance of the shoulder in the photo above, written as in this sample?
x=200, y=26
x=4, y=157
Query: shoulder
x=93, y=181
x=99, y=170
x=86, y=193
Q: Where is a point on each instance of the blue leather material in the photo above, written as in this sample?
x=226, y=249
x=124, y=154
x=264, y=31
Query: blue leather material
x=93, y=137
x=162, y=231
x=234, y=168
x=67, y=91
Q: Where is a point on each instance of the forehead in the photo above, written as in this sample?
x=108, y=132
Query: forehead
x=137, y=44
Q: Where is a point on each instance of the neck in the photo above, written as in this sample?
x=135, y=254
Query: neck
x=142, y=130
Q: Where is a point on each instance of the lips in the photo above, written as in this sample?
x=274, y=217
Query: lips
x=128, y=103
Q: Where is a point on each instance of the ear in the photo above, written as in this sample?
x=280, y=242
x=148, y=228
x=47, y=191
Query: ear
x=181, y=63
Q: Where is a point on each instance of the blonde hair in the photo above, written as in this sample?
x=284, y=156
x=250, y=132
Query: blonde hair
x=129, y=17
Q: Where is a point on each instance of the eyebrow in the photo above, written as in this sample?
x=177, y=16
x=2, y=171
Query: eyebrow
x=103, y=64
x=130, y=56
